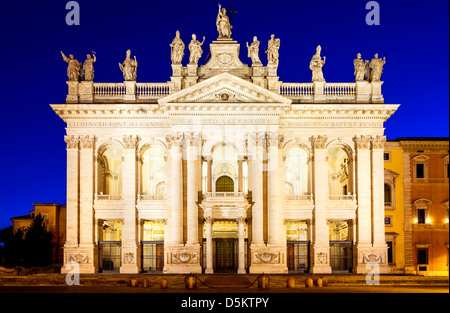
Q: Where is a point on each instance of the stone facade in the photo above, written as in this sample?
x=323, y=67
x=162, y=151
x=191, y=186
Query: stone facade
x=238, y=123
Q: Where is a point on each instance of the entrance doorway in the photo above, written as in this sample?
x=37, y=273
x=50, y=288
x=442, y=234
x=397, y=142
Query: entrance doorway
x=109, y=256
x=226, y=252
x=298, y=256
x=152, y=256
x=341, y=256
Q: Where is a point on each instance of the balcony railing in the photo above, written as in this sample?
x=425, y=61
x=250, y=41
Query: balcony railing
x=341, y=197
x=108, y=197
x=226, y=194
x=299, y=197
x=150, y=197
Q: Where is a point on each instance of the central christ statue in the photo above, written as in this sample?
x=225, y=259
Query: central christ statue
x=223, y=23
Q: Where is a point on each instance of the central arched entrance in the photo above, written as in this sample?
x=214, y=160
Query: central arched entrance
x=224, y=184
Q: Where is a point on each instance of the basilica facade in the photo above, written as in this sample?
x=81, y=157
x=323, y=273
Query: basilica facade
x=225, y=168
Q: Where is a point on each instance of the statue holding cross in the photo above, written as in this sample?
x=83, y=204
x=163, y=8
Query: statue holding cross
x=223, y=23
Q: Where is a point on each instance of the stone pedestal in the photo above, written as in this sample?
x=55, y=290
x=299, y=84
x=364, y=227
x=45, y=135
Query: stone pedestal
x=177, y=77
x=86, y=92
x=363, y=92
x=72, y=94
x=319, y=92
x=268, y=259
x=182, y=259
x=130, y=91
x=377, y=96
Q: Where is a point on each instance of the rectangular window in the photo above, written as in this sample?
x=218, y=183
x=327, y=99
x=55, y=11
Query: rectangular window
x=390, y=258
x=420, y=170
x=421, y=216
x=422, y=256
x=387, y=156
x=388, y=220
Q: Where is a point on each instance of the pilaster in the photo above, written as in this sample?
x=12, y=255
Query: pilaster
x=130, y=256
x=320, y=248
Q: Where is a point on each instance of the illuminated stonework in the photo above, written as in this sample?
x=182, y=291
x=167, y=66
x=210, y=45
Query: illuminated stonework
x=155, y=171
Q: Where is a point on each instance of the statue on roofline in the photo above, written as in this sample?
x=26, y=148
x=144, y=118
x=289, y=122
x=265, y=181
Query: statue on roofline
x=129, y=67
x=73, y=69
x=376, y=65
x=316, y=64
x=177, y=49
x=195, y=47
x=88, y=67
x=360, y=68
x=223, y=23
x=272, y=50
x=253, y=51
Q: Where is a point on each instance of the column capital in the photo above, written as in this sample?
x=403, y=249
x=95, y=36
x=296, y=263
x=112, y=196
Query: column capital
x=87, y=142
x=72, y=141
x=240, y=219
x=130, y=141
x=362, y=142
x=378, y=142
x=191, y=139
x=318, y=142
x=174, y=139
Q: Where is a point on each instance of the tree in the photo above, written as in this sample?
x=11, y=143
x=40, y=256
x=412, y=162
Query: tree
x=38, y=245
x=13, y=250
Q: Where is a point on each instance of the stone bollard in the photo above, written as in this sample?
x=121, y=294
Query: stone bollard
x=324, y=281
x=190, y=282
x=290, y=283
x=309, y=282
x=134, y=283
x=263, y=281
x=145, y=283
x=319, y=282
x=164, y=284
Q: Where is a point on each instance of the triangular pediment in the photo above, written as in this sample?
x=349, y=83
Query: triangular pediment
x=224, y=88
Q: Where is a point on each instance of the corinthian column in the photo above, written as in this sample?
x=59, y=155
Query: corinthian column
x=176, y=180
x=256, y=142
x=363, y=192
x=273, y=205
x=72, y=191
x=129, y=247
x=379, y=240
x=320, y=243
x=191, y=144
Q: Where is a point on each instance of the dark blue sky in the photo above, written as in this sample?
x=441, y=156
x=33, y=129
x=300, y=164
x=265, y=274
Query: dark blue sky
x=414, y=36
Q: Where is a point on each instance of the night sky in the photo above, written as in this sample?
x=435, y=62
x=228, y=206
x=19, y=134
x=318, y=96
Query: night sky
x=413, y=35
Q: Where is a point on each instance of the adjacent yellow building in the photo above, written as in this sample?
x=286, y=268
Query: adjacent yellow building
x=394, y=205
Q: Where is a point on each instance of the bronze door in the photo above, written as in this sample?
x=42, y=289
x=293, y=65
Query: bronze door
x=226, y=255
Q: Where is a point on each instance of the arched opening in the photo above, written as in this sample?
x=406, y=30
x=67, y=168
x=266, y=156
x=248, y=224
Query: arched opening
x=340, y=172
x=387, y=195
x=110, y=171
x=153, y=175
x=297, y=172
x=224, y=184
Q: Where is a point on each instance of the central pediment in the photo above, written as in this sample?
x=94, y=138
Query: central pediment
x=225, y=89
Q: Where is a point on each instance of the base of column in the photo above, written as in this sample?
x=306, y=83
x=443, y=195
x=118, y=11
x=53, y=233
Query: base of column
x=267, y=259
x=182, y=259
x=242, y=271
x=371, y=259
x=130, y=260
x=79, y=259
x=209, y=271
x=321, y=259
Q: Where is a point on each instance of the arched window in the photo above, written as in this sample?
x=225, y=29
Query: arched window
x=153, y=171
x=110, y=171
x=224, y=184
x=339, y=172
x=387, y=195
x=296, y=172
